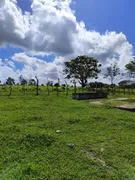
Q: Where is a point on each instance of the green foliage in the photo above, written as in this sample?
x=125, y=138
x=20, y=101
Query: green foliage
x=97, y=85
x=56, y=84
x=32, y=82
x=82, y=68
x=126, y=83
x=10, y=81
x=22, y=80
x=130, y=67
x=113, y=71
x=49, y=83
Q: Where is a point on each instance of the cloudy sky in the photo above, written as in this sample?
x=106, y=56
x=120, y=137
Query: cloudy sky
x=38, y=36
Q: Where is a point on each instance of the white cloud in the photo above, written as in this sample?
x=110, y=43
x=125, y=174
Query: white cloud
x=37, y=67
x=6, y=71
x=9, y=63
x=52, y=28
x=14, y=25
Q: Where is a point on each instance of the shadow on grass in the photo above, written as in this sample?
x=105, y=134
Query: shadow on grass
x=34, y=141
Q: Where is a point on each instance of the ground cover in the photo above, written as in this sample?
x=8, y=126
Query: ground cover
x=36, y=134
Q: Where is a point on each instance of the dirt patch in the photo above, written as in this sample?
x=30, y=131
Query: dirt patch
x=94, y=158
x=120, y=99
x=96, y=102
x=129, y=107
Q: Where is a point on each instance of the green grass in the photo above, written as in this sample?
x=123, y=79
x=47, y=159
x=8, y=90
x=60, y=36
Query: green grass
x=31, y=149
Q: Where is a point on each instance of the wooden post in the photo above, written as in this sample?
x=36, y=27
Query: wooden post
x=58, y=87
x=96, y=86
x=23, y=88
x=48, y=87
x=10, y=91
x=37, y=86
x=66, y=88
x=74, y=86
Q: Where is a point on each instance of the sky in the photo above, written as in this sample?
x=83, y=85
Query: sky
x=38, y=36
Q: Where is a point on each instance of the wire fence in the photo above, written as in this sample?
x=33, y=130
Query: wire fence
x=19, y=90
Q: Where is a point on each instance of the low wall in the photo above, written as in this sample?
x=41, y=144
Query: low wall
x=83, y=96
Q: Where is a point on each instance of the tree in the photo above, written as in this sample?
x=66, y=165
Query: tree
x=97, y=85
x=82, y=68
x=130, y=67
x=126, y=83
x=56, y=84
x=22, y=80
x=49, y=83
x=113, y=71
x=10, y=81
x=32, y=82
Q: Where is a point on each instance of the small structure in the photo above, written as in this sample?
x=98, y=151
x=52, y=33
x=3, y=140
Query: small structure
x=95, y=95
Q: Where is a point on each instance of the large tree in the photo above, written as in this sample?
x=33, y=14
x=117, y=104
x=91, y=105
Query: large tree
x=82, y=68
x=130, y=67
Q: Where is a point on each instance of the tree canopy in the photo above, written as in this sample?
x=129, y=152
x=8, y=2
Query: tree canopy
x=32, y=82
x=82, y=68
x=10, y=81
x=130, y=67
x=126, y=83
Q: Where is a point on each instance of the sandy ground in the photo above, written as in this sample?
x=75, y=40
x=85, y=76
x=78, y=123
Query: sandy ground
x=96, y=102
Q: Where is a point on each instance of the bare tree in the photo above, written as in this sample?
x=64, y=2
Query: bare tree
x=113, y=72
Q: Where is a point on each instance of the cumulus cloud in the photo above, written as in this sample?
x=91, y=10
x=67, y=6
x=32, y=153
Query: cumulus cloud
x=52, y=28
x=6, y=71
x=13, y=24
x=36, y=67
x=44, y=31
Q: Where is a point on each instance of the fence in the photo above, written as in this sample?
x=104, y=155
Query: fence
x=60, y=90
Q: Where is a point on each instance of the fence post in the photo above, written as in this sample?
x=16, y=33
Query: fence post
x=37, y=85
x=74, y=82
x=66, y=88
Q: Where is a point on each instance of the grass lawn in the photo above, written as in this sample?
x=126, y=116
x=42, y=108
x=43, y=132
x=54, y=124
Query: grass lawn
x=31, y=148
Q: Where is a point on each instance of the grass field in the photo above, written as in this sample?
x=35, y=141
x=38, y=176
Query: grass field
x=32, y=148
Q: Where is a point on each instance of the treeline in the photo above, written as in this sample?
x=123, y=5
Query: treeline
x=80, y=70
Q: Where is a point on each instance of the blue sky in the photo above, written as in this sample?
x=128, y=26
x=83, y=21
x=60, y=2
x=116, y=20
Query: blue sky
x=59, y=38
x=111, y=15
